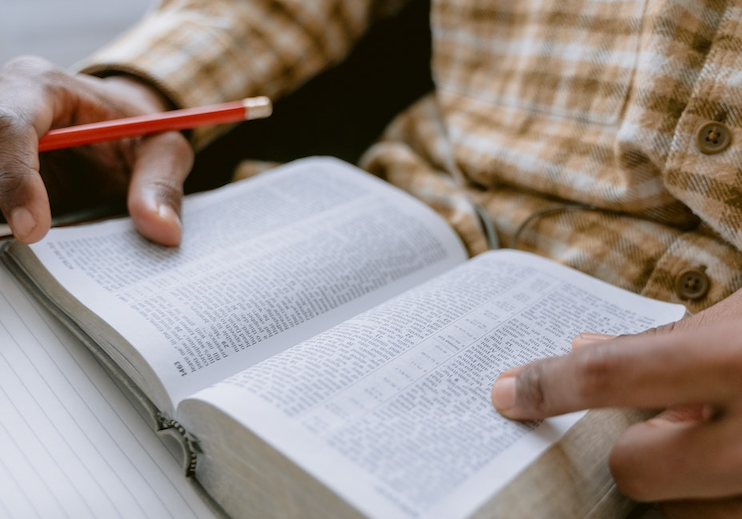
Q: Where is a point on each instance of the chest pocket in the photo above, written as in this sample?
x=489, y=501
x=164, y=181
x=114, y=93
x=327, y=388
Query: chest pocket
x=565, y=58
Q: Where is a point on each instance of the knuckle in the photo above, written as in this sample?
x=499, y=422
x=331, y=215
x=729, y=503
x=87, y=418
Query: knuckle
x=592, y=373
x=15, y=157
x=27, y=66
x=722, y=358
x=32, y=66
x=15, y=136
x=35, y=72
x=530, y=388
x=9, y=125
x=167, y=189
x=14, y=128
x=12, y=190
x=12, y=176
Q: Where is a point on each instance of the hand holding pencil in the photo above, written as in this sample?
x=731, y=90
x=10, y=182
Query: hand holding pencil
x=185, y=119
x=36, y=96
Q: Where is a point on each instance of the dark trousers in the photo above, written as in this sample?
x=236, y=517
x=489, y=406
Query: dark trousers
x=340, y=112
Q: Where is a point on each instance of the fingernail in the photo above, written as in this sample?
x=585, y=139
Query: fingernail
x=584, y=339
x=168, y=213
x=503, y=393
x=22, y=222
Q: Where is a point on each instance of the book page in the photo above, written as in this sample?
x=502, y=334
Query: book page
x=72, y=445
x=392, y=409
x=263, y=264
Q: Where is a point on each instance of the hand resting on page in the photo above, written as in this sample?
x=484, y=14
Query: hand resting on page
x=689, y=457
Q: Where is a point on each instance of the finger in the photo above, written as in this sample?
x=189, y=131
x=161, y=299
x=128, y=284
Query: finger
x=156, y=190
x=730, y=508
x=661, y=460
x=649, y=371
x=26, y=112
x=23, y=198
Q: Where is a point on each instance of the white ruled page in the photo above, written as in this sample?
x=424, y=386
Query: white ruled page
x=71, y=445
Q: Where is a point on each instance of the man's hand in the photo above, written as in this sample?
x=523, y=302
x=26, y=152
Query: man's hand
x=689, y=457
x=36, y=96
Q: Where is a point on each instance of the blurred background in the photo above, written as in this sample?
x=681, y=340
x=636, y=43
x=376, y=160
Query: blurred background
x=63, y=31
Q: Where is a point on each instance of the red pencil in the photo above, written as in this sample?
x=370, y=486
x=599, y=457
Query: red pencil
x=235, y=111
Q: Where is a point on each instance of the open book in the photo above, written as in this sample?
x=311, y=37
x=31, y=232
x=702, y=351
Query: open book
x=322, y=347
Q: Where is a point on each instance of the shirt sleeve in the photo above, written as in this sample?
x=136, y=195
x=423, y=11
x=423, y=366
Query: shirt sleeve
x=200, y=52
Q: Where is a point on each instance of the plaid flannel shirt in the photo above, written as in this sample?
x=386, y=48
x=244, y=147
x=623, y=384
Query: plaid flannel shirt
x=570, y=125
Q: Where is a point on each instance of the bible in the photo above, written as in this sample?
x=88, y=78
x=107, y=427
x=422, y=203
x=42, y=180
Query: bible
x=320, y=346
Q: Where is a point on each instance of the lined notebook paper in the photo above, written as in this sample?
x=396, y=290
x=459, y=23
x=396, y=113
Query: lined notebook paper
x=71, y=444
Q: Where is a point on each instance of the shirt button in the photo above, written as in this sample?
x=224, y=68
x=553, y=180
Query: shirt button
x=713, y=137
x=692, y=283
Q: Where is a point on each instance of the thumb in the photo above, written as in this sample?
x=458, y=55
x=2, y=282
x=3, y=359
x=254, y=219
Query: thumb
x=156, y=190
